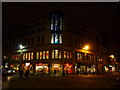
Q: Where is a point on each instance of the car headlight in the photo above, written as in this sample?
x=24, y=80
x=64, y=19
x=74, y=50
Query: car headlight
x=9, y=71
x=13, y=71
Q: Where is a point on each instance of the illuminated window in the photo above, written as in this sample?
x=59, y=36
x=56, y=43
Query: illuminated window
x=60, y=55
x=41, y=55
x=56, y=53
x=37, y=55
x=47, y=54
x=78, y=56
x=65, y=54
x=56, y=22
x=52, y=53
x=28, y=56
x=23, y=56
x=56, y=38
x=31, y=55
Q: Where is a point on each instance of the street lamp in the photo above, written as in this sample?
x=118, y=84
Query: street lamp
x=21, y=53
x=86, y=47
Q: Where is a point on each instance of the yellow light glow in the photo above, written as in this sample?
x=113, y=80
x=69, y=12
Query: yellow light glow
x=86, y=47
x=112, y=56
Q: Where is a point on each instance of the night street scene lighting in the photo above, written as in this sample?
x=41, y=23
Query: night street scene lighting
x=60, y=47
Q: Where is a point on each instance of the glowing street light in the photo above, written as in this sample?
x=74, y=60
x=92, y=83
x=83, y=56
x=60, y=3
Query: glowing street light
x=86, y=47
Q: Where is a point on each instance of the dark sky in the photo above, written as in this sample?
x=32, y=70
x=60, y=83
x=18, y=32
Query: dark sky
x=102, y=17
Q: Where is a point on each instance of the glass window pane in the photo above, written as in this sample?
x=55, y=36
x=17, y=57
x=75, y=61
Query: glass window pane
x=56, y=38
x=52, y=54
x=28, y=56
x=31, y=55
x=41, y=55
x=70, y=55
x=23, y=56
x=56, y=53
x=60, y=39
x=65, y=54
x=47, y=54
x=52, y=39
x=37, y=55
x=78, y=56
x=60, y=55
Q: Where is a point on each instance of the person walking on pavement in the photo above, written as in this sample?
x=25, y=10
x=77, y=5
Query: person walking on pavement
x=21, y=73
x=27, y=73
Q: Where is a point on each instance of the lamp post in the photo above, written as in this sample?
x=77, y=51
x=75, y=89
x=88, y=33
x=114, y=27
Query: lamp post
x=21, y=53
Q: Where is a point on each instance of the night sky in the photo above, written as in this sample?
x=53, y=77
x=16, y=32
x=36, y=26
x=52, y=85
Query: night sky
x=100, y=17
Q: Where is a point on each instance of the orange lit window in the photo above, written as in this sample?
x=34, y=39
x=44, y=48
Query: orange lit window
x=40, y=55
x=47, y=54
x=37, y=56
x=52, y=54
x=65, y=54
x=43, y=54
x=60, y=55
x=28, y=56
x=78, y=56
x=56, y=53
x=31, y=55
x=23, y=56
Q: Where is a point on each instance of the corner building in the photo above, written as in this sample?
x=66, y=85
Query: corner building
x=54, y=44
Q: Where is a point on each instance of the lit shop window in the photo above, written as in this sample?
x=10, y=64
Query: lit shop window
x=56, y=38
x=56, y=22
x=15, y=57
x=56, y=54
x=78, y=56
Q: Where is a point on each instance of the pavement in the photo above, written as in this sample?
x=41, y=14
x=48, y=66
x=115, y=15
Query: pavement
x=58, y=81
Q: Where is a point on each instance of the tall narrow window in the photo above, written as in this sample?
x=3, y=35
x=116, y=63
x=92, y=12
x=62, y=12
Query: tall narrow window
x=60, y=55
x=31, y=55
x=28, y=56
x=52, y=54
x=37, y=55
x=56, y=38
x=41, y=55
x=65, y=54
x=56, y=53
x=47, y=54
x=23, y=56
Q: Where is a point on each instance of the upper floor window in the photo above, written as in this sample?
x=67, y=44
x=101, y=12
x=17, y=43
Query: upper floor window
x=42, y=55
x=28, y=56
x=56, y=54
x=67, y=55
x=56, y=22
x=56, y=38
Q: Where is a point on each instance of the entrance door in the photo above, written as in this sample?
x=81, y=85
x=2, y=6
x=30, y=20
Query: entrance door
x=56, y=68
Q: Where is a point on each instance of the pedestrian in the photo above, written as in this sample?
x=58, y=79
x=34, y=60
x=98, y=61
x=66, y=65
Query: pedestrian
x=54, y=71
x=21, y=73
x=27, y=73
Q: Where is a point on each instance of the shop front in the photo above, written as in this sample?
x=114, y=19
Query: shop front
x=41, y=68
x=68, y=68
x=56, y=68
x=28, y=66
